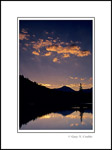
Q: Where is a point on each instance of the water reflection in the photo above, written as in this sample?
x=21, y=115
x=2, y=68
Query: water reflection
x=74, y=118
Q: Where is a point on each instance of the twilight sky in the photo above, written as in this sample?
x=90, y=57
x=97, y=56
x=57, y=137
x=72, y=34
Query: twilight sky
x=55, y=53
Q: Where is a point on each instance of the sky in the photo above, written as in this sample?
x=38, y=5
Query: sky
x=56, y=53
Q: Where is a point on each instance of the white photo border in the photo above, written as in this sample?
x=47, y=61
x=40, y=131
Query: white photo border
x=10, y=138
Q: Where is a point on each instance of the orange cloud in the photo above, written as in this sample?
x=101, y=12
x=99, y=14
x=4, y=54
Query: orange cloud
x=58, y=48
x=76, y=124
x=83, y=53
x=35, y=53
x=23, y=36
x=82, y=79
x=74, y=115
x=54, y=41
x=71, y=125
x=66, y=55
x=83, y=123
x=86, y=115
x=51, y=115
x=71, y=78
x=45, y=117
x=41, y=43
x=74, y=78
x=50, y=38
x=61, y=43
x=24, y=31
x=74, y=50
x=56, y=60
x=47, y=54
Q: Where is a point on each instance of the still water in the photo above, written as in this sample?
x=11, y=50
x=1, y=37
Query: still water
x=64, y=120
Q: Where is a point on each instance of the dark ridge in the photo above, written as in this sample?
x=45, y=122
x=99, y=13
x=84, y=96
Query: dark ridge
x=65, y=89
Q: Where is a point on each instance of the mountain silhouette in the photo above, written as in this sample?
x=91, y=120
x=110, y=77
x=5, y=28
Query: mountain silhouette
x=65, y=89
x=87, y=90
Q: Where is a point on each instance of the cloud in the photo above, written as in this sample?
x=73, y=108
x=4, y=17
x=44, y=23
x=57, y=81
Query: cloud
x=50, y=38
x=65, y=56
x=47, y=54
x=24, y=31
x=71, y=125
x=46, y=32
x=83, y=123
x=83, y=53
x=45, y=117
x=35, y=53
x=27, y=44
x=87, y=115
x=23, y=36
x=76, y=124
x=54, y=41
x=57, y=46
x=74, y=50
x=32, y=42
x=82, y=79
x=41, y=43
x=74, y=115
x=62, y=43
x=66, y=43
x=71, y=77
x=56, y=60
x=74, y=78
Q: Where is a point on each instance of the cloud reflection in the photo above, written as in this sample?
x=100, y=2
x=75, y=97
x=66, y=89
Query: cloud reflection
x=58, y=121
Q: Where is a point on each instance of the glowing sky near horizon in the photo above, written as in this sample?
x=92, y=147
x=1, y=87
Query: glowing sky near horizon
x=55, y=53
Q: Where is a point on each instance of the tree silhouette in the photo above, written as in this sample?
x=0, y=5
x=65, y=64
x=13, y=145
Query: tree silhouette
x=80, y=88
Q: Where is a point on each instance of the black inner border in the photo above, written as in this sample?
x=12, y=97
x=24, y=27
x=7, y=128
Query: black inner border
x=92, y=71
